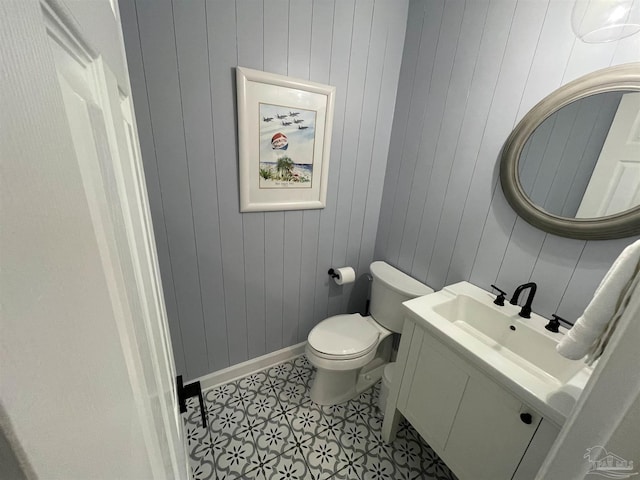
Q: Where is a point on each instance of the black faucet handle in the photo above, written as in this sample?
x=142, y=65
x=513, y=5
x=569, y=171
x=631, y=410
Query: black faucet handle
x=555, y=322
x=501, y=297
x=553, y=325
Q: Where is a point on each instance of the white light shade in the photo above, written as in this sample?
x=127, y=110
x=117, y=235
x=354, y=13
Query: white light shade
x=599, y=21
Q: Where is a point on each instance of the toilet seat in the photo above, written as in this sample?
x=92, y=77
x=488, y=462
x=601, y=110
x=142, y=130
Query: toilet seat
x=344, y=337
x=350, y=356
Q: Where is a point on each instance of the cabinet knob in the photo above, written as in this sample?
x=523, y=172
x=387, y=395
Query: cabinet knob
x=526, y=418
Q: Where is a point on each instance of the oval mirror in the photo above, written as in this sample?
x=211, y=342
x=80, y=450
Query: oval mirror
x=571, y=167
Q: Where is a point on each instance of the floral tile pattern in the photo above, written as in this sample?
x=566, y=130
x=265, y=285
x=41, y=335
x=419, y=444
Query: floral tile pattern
x=265, y=427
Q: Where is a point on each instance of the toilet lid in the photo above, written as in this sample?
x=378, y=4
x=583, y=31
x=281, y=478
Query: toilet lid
x=343, y=335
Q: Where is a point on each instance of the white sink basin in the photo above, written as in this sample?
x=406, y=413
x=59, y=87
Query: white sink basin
x=519, y=352
x=502, y=329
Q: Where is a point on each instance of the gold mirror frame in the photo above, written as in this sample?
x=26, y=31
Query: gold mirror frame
x=622, y=77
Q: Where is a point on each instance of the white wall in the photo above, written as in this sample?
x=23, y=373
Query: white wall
x=238, y=286
x=470, y=71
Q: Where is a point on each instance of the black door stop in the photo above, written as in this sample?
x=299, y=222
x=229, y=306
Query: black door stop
x=187, y=391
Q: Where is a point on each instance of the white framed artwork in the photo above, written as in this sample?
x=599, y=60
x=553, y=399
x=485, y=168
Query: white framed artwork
x=284, y=135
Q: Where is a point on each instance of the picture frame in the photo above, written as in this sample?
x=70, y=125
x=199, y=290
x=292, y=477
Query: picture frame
x=284, y=136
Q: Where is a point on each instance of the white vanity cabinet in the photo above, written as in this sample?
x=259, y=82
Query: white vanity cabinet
x=480, y=430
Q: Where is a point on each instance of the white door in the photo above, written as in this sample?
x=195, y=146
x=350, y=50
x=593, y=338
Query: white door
x=615, y=183
x=87, y=379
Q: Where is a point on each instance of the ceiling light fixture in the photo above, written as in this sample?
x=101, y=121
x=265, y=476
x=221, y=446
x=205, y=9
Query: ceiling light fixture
x=600, y=21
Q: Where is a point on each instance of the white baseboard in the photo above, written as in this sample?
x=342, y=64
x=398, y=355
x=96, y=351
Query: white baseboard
x=254, y=365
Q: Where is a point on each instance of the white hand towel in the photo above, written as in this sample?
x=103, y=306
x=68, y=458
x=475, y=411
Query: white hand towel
x=604, y=305
x=603, y=340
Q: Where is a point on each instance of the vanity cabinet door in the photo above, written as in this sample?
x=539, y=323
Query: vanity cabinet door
x=489, y=438
x=431, y=390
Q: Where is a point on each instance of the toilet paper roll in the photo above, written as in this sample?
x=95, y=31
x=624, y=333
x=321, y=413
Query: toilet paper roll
x=344, y=275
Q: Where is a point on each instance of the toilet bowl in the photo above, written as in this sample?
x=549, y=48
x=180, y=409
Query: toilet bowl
x=350, y=351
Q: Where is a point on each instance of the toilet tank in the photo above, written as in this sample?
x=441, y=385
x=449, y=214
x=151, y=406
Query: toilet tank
x=390, y=288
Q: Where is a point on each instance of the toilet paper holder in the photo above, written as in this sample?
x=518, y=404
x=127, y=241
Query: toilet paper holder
x=342, y=275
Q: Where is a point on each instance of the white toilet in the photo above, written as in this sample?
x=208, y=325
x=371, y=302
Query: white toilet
x=350, y=351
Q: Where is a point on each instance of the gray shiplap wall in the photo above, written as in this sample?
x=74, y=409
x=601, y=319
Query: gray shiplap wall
x=557, y=161
x=241, y=285
x=470, y=71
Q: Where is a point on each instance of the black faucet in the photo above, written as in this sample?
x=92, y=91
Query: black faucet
x=525, y=312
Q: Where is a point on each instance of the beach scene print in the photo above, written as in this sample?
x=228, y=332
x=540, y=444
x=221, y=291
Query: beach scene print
x=287, y=138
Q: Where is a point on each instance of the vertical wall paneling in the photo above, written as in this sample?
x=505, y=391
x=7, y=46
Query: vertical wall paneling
x=250, y=22
x=595, y=260
x=627, y=51
x=321, y=36
x=442, y=174
x=552, y=271
x=193, y=70
x=483, y=176
x=586, y=58
x=413, y=255
x=300, y=21
x=308, y=265
x=555, y=45
x=408, y=151
x=519, y=258
x=292, y=253
x=357, y=74
x=241, y=285
x=157, y=40
x=449, y=129
x=356, y=79
x=525, y=34
x=413, y=35
x=485, y=139
x=274, y=278
x=137, y=78
x=387, y=96
x=223, y=58
x=367, y=129
x=343, y=16
x=481, y=94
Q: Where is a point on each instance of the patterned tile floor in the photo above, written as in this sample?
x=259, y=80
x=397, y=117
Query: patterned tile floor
x=265, y=426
